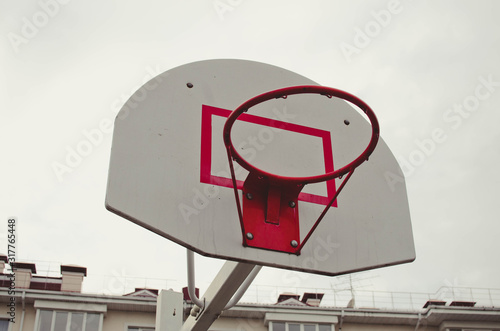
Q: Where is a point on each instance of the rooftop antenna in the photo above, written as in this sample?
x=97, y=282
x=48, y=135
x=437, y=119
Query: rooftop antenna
x=353, y=284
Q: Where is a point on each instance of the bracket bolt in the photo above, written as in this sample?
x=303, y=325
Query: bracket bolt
x=249, y=236
x=249, y=196
x=189, y=85
x=194, y=311
x=294, y=243
x=292, y=204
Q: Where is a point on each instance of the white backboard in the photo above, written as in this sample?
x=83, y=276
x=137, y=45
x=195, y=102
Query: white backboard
x=169, y=171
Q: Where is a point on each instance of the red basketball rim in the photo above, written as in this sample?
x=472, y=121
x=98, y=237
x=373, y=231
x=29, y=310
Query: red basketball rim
x=283, y=93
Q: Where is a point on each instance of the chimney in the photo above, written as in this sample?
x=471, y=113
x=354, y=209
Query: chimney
x=463, y=303
x=434, y=303
x=312, y=299
x=3, y=260
x=287, y=295
x=24, y=272
x=72, y=278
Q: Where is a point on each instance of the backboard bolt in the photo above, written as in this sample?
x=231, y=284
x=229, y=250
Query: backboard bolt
x=249, y=236
x=294, y=243
x=190, y=85
x=249, y=196
x=346, y=122
x=292, y=204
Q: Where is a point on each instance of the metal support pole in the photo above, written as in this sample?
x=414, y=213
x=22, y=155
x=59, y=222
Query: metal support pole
x=191, y=283
x=192, y=287
x=243, y=288
x=227, y=282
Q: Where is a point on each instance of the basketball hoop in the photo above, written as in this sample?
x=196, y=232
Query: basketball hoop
x=273, y=199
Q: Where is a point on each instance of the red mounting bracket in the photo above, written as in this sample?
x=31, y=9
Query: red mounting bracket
x=270, y=214
x=269, y=218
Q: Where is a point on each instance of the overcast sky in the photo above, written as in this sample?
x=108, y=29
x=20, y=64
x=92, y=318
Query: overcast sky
x=429, y=69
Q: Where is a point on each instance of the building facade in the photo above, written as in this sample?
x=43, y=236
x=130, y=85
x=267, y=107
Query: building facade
x=35, y=303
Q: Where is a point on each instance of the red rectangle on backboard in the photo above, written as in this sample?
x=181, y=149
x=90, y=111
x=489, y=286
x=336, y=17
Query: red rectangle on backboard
x=207, y=177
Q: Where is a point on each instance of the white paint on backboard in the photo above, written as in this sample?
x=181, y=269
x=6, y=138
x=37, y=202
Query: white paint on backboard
x=157, y=161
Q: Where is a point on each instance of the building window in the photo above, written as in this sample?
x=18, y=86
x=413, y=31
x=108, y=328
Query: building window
x=4, y=324
x=277, y=326
x=280, y=326
x=52, y=320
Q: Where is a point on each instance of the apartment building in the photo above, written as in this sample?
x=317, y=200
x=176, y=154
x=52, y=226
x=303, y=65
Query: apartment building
x=40, y=303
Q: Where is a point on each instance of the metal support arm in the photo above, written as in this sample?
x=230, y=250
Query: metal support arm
x=223, y=293
x=236, y=297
